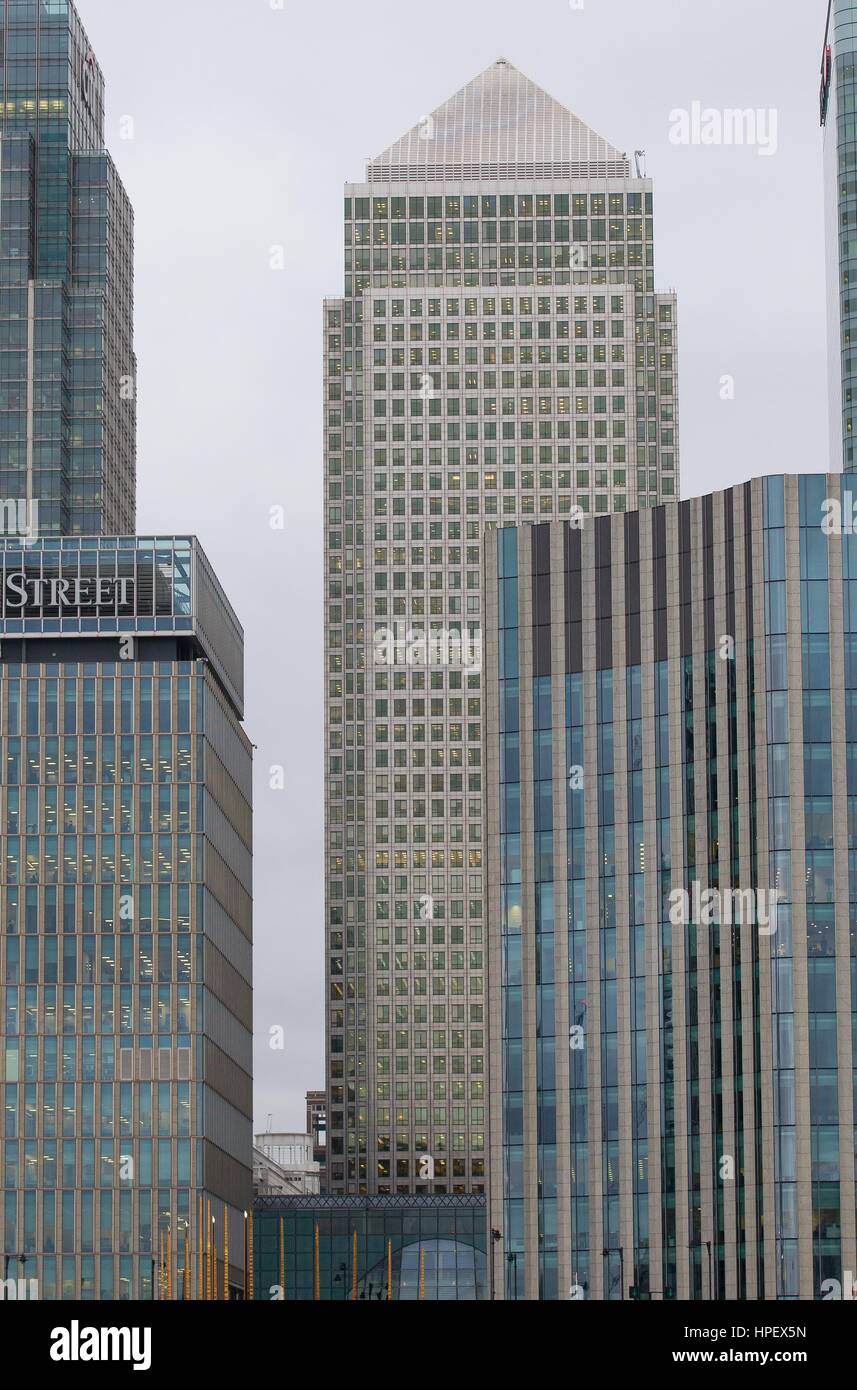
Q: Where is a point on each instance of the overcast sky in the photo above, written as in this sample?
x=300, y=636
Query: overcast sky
x=247, y=120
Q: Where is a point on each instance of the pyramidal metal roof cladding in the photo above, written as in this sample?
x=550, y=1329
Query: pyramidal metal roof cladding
x=500, y=126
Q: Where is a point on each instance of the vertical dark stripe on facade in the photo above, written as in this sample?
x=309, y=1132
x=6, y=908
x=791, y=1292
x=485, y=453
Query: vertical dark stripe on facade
x=541, y=542
x=603, y=594
x=708, y=571
x=729, y=533
x=685, y=576
x=573, y=549
x=659, y=581
x=632, y=588
x=748, y=559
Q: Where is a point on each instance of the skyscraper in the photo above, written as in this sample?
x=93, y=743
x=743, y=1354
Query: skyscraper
x=838, y=87
x=500, y=354
x=67, y=366
x=316, y=1125
x=672, y=766
x=125, y=894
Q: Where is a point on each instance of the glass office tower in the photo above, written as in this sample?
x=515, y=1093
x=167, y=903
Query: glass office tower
x=672, y=803
x=837, y=97
x=499, y=354
x=125, y=899
x=67, y=365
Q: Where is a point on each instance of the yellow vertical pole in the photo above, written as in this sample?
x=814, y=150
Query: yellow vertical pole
x=354, y=1271
x=187, y=1263
x=214, y=1259
x=246, y=1295
x=389, y=1271
x=316, y=1285
x=208, y=1249
x=422, y=1273
x=282, y=1257
x=225, y=1254
x=160, y=1265
x=170, y=1263
x=250, y=1248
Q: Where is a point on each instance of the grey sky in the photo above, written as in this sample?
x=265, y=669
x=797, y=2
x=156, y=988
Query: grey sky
x=247, y=122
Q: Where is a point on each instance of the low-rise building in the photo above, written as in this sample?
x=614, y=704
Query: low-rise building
x=283, y=1164
x=382, y=1249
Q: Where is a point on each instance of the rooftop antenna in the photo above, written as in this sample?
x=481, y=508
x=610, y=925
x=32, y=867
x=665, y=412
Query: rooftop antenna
x=640, y=158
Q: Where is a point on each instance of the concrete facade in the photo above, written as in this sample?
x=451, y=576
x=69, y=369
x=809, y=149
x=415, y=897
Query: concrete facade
x=500, y=354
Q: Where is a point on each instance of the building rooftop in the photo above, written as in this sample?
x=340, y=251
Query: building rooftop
x=108, y=586
x=427, y=1201
x=500, y=126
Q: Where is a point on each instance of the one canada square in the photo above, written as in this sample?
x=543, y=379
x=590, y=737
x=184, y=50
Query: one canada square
x=499, y=355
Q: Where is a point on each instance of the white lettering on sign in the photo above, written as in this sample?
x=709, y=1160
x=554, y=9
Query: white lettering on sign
x=28, y=593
